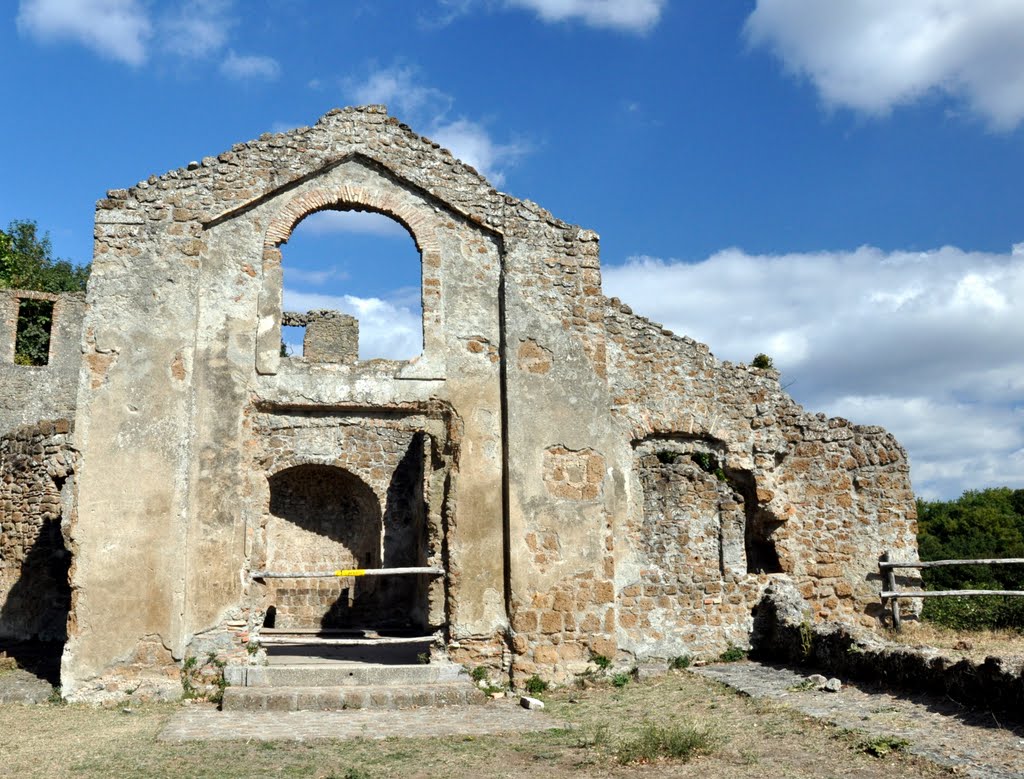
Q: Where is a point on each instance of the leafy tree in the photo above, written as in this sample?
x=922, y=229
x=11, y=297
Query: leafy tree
x=979, y=524
x=27, y=262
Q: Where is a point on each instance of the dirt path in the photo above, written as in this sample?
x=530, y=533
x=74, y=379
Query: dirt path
x=971, y=744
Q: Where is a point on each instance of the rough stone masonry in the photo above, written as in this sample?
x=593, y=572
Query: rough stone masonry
x=589, y=482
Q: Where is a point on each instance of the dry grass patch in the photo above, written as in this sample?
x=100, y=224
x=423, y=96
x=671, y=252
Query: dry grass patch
x=974, y=644
x=681, y=716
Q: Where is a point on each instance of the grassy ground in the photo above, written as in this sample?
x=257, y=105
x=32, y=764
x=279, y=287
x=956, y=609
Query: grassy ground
x=976, y=644
x=733, y=736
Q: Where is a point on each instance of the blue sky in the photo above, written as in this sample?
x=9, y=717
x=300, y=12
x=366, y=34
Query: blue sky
x=836, y=184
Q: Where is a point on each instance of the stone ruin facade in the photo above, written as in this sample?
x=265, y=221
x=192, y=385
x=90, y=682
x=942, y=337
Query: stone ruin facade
x=582, y=480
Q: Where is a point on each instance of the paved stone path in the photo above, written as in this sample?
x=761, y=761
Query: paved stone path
x=205, y=723
x=938, y=729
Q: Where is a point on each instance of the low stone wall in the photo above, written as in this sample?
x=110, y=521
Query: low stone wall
x=783, y=632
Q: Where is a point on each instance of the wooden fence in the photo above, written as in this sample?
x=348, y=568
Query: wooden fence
x=888, y=568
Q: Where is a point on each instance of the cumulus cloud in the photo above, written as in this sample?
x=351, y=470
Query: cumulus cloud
x=634, y=16
x=872, y=55
x=126, y=31
x=249, y=66
x=197, y=28
x=392, y=329
x=117, y=29
x=471, y=143
x=400, y=88
x=924, y=343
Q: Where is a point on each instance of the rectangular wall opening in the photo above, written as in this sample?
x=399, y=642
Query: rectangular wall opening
x=35, y=322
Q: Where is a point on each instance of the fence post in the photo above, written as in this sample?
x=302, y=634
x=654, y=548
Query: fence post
x=890, y=585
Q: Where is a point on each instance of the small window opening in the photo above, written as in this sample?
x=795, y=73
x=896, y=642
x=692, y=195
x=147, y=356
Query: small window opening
x=353, y=280
x=292, y=338
x=35, y=321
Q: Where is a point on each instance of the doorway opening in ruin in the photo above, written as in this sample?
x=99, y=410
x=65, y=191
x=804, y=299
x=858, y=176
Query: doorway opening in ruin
x=362, y=265
x=759, y=528
x=359, y=600
x=34, y=579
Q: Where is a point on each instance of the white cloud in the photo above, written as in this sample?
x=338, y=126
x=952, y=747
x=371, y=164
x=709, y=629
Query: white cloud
x=405, y=95
x=631, y=15
x=240, y=67
x=388, y=329
x=636, y=16
x=471, y=143
x=118, y=29
x=872, y=55
x=397, y=87
x=197, y=28
x=925, y=343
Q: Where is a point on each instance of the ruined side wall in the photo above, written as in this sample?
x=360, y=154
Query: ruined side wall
x=565, y=475
x=715, y=444
x=31, y=393
x=36, y=467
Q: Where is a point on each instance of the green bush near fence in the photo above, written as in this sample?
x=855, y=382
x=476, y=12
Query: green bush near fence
x=980, y=524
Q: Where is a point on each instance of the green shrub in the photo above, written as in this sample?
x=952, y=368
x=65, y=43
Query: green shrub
x=732, y=654
x=478, y=674
x=621, y=679
x=880, y=746
x=601, y=661
x=535, y=685
x=763, y=361
x=681, y=662
x=682, y=741
x=979, y=524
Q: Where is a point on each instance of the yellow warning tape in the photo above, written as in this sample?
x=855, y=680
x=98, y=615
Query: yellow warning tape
x=351, y=572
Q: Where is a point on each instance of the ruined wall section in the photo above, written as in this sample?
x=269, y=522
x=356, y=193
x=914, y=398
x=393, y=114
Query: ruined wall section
x=565, y=474
x=187, y=250
x=37, y=464
x=820, y=498
x=31, y=393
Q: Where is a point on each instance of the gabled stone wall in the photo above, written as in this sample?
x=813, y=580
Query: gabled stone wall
x=589, y=482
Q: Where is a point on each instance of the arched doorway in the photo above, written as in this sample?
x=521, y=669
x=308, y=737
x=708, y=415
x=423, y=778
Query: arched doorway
x=322, y=518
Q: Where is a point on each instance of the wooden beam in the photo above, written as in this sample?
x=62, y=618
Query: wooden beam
x=944, y=593
x=938, y=563
x=345, y=572
x=278, y=640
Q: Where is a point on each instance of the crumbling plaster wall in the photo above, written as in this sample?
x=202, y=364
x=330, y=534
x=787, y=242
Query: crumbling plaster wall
x=196, y=251
x=839, y=493
x=31, y=393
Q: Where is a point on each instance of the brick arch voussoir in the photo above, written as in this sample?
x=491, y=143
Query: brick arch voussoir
x=301, y=206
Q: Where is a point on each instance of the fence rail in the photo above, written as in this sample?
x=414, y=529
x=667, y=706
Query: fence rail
x=888, y=567
x=344, y=572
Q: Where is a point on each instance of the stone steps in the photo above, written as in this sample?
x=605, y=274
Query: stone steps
x=354, y=696
x=342, y=674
